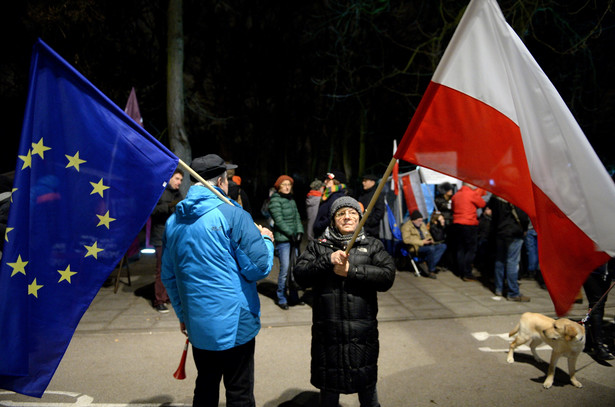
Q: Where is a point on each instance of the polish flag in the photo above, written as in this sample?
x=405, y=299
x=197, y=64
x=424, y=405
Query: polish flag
x=491, y=117
x=395, y=176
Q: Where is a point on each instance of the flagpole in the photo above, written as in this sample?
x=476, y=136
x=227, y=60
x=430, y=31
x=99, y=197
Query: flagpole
x=371, y=204
x=205, y=183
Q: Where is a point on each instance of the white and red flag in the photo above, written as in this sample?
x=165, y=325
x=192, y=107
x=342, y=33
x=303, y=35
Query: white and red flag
x=491, y=117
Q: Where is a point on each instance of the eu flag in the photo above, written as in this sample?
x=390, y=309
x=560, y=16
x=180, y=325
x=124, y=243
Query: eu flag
x=86, y=180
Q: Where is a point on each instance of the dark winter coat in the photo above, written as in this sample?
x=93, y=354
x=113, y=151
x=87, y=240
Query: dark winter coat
x=287, y=221
x=323, y=219
x=507, y=220
x=345, y=329
x=372, y=224
x=164, y=208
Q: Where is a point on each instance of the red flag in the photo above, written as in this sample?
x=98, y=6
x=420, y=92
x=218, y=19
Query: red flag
x=132, y=108
x=395, y=176
x=409, y=194
x=491, y=117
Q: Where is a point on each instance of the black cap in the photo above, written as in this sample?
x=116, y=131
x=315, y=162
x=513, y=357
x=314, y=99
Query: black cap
x=338, y=175
x=373, y=177
x=210, y=166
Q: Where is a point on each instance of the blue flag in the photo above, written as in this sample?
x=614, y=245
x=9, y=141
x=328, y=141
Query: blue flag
x=86, y=180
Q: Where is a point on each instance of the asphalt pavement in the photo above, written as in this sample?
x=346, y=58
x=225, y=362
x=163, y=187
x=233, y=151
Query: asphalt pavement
x=443, y=343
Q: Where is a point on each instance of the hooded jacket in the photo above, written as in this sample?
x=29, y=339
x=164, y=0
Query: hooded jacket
x=213, y=254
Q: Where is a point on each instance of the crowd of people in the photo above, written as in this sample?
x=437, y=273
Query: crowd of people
x=213, y=254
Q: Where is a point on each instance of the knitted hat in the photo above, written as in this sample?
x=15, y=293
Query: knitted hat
x=281, y=179
x=338, y=175
x=416, y=215
x=345, y=202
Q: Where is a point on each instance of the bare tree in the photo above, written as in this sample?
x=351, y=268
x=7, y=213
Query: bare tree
x=178, y=138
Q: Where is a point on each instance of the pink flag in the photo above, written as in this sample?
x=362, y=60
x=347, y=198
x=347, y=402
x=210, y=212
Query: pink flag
x=491, y=117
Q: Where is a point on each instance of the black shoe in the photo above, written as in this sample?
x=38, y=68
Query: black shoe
x=430, y=275
x=601, y=352
x=283, y=306
x=469, y=278
x=161, y=308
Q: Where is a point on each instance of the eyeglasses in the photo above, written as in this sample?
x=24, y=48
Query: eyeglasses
x=351, y=213
x=286, y=184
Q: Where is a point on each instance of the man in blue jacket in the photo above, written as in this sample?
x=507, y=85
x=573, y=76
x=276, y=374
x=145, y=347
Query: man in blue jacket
x=213, y=255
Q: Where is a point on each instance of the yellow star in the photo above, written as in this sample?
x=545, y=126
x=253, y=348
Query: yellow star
x=18, y=267
x=39, y=148
x=6, y=233
x=27, y=160
x=93, y=250
x=98, y=187
x=74, y=161
x=33, y=288
x=12, y=192
x=105, y=220
x=66, y=274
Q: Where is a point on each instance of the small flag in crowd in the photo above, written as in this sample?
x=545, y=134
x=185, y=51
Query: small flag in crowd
x=491, y=117
x=86, y=180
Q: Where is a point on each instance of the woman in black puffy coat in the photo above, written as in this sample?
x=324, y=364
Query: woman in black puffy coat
x=345, y=329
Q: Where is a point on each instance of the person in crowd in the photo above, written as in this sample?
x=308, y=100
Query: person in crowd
x=236, y=192
x=437, y=227
x=531, y=249
x=443, y=202
x=312, y=201
x=335, y=187
x=509, y=224
x=165, y=207
x=484, y=259
x=213, y=255
x=421, y=243
x=596, y=285
x=288, y=232
x=345, y=327
x=443, y=205
x=465, y=220
x=372, y=224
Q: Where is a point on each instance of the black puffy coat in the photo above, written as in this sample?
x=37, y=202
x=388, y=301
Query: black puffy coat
x=344, y=326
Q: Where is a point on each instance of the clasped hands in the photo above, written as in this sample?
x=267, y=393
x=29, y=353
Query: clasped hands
x=339, y=259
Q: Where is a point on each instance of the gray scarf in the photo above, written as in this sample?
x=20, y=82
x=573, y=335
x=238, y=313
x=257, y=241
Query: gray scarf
x=334, y=235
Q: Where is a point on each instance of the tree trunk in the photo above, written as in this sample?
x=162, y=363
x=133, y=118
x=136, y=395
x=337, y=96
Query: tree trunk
x=178, y=139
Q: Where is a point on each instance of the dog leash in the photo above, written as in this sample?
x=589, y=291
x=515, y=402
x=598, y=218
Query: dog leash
x=584, y=320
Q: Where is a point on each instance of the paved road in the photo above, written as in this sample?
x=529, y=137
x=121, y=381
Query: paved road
x=443, y=343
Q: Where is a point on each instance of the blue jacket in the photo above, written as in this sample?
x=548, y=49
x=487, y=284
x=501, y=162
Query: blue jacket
x=213, y=254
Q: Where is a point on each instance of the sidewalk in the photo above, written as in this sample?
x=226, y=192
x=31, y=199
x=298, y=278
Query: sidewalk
x=443, y=342
x=410, y=298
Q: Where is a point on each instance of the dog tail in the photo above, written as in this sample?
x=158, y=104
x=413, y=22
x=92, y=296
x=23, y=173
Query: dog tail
x=514, y=331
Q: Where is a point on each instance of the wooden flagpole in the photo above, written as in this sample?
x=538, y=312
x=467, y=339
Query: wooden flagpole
x=371, y=204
